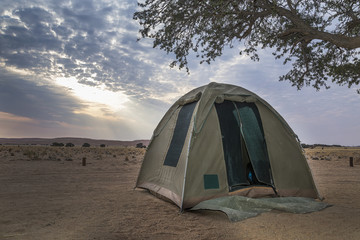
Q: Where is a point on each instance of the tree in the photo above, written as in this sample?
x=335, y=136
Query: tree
x=320, y=38
x=56, y=144
x=140, y=145
x=69, y=145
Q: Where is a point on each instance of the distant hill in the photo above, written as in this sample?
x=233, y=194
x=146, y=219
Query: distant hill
x=64, y=140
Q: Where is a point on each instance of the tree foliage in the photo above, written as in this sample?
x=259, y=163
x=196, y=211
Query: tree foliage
x=86, y=145
x=56, y=144
x=69, y=145
x=140, y=145
x=321, y=38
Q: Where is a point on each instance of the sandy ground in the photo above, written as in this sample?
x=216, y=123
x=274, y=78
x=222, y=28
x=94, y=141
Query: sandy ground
x=46, y=193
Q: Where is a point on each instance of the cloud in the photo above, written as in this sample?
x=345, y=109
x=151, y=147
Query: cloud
x=23, y=97
x=28, y=109
x=82, y=39
x=90, y=41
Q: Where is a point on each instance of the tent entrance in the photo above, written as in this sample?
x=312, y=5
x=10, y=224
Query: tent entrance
x=245, y=152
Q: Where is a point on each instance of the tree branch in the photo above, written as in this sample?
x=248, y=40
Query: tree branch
x=312, y=33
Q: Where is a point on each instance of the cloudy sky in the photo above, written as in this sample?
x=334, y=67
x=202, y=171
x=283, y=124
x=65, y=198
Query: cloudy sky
x=74, y=68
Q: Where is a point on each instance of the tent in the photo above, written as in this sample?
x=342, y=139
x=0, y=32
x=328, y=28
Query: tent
x=220, y=140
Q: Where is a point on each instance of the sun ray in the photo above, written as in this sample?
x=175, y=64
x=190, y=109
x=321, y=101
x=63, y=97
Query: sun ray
x=97, y=96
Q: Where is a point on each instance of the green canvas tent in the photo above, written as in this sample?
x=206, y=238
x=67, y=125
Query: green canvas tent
x=220, y=140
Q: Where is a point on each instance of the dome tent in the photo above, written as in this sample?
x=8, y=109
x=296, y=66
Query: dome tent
x=219, y=140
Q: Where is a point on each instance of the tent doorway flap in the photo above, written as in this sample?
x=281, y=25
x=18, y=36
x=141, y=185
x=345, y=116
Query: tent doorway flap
x=245, y=152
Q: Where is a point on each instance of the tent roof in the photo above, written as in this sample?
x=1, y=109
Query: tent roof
x=207, y=95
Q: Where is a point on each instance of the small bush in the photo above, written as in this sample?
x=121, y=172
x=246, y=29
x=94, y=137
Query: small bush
x=56, y=144
x=140, y=145
x=69, y=145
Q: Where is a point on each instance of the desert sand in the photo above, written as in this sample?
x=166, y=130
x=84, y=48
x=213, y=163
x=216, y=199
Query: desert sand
x=46, y=193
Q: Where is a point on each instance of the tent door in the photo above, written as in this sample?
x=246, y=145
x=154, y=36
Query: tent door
x=245, y=153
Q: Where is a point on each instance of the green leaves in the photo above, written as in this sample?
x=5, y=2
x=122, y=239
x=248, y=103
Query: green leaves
x=319, y=38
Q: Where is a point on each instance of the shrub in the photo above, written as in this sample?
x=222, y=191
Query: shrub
x=69, y=145
x=86, y=145
x=56, y=144
x=140, y=145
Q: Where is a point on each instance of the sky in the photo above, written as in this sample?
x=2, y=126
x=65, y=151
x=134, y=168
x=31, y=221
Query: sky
x=74, y=68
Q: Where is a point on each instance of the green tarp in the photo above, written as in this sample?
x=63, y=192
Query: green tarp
x=239, y=208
